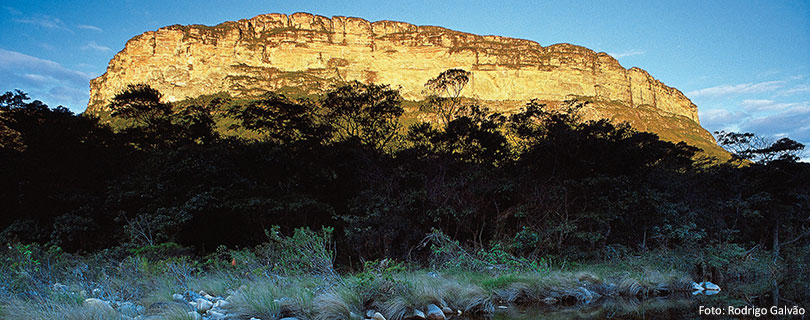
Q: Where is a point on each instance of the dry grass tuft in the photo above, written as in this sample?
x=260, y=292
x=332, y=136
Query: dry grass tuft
x=588, y=277
x=47, y=310
x=631, y=287
x=260, y=299
x=468, y=298
x=396, y=308
x=338, y=304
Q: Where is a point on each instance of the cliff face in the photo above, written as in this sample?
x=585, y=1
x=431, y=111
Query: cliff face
x=274, y=51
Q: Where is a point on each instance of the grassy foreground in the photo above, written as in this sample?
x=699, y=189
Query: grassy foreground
x=294, y=277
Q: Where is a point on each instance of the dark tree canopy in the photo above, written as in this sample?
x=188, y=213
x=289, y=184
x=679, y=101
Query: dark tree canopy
x=141, y=105
x=444, y=92
x=281, y=119
x=541, y=182
x=367, y=112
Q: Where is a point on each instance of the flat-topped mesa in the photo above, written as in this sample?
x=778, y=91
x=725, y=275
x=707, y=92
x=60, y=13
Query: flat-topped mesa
x=274, y=51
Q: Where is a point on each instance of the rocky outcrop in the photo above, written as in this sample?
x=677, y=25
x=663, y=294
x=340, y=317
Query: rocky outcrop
x=277, y=52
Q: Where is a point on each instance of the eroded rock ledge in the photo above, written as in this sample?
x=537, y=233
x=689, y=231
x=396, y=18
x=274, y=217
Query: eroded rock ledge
x=274, y=51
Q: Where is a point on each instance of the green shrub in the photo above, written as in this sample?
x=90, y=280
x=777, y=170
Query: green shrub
x=305, y=252
x=448, y=253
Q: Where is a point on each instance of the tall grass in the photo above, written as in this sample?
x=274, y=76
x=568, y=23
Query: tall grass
x=43, y=284
x=262, y=300
x=338, y=304
x=50, y=309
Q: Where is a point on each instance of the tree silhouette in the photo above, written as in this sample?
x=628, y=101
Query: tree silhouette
x=140, y=104
x=475, y=137
x=444, y=94
x=762, y=150
x=367, y=112
x=197, y=123
x=11, y=139
x=280, y=119
x=147, y=121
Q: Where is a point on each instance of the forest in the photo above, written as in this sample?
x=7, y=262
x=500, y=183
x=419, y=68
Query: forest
x=211, y=179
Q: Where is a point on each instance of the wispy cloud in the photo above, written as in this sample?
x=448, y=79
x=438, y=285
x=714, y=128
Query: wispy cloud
x=63, y=93
x=85, y=66
x=802, y=88
x=761, y=105
x=36, y=77
x=721, y=119
x=13, y=11
x=16, y=60
x=756, y=102
x=794, y=123
x=92, y=45
x=89, y=27
x=44, y=21
x=725, y=90
x=46, y=46
x=627, y=53
x=44, y=79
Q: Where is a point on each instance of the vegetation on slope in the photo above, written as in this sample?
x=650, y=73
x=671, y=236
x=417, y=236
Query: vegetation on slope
x=538, y=185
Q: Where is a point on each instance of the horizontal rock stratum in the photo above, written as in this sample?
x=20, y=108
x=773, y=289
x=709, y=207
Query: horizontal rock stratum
x=276, y=51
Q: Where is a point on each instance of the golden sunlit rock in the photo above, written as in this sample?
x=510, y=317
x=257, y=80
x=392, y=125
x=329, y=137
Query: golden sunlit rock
x=276, y=52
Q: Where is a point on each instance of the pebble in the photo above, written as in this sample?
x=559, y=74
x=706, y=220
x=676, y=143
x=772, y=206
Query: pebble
x=203, y=305
x=435, y=313
x=214, y=315
x=130, y=309
x=221, y=303
x=98, y=304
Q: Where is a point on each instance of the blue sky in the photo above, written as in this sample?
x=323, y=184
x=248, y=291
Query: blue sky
x=746, y=64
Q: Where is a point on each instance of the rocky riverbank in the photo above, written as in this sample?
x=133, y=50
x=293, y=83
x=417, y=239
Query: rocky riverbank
x=405, y=295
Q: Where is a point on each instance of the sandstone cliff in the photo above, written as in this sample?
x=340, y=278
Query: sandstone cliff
x=275, y=51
